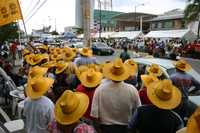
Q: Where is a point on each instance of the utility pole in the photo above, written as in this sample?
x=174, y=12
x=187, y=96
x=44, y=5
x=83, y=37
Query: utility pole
x=86, y=22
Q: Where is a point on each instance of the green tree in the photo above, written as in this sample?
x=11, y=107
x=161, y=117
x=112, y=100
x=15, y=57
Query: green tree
x=54, y=33
x=8, y=32
x=192, y=12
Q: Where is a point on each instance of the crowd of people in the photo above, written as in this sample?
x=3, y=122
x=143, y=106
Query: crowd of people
x=68, y=91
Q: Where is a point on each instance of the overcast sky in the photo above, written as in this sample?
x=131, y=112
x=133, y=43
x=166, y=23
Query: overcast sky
x=64, y=10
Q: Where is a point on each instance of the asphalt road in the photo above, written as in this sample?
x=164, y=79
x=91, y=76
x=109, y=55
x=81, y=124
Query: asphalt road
x=195, y=63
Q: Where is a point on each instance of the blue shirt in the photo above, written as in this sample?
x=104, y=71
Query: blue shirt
x=85, y=61
x=184, y=82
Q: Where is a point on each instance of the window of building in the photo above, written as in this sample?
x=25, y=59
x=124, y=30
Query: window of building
x=160, y=25
x=154, y=25
x=168, y=24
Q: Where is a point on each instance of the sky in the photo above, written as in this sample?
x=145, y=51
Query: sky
x=62, y=12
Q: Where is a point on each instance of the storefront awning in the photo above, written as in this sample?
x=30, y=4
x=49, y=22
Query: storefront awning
x=169, y=34
x=127, y=34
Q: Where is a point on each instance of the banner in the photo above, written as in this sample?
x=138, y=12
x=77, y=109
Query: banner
x=9, y=11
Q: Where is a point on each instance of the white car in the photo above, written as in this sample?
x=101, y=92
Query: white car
x=168, y=68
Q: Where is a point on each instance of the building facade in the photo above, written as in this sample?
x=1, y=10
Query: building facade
x=105, y=18
x=171, y=20
x=133, y=21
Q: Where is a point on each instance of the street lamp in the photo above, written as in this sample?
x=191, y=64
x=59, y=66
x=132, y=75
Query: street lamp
x=142, y=4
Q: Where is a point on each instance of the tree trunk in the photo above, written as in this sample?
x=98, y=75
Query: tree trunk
x=198, y=35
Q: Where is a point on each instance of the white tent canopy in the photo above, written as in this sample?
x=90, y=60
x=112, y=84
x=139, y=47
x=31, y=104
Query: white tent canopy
x=124, y=34
x=171, y=34
x=104, y=35
x=127, y=34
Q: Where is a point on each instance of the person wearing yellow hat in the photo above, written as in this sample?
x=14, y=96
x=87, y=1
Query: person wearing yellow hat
x=85, y=58
x=69, y=109
x=154, y=70
x=90, y=80
x=158, y=117
x=133, y=69
x=193, y=125
x=113, y=99
x=183, y=81
x=38, y=109
x=146, y=79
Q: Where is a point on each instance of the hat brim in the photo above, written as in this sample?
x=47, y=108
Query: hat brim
x=58, y=71
x=132, y=69
x=67, y=119
x=40, y=72
x=186, y=69
x=88, y=54
x=35, y=95
x=192, y=126
x=172, y=103
x=158, y=74
x=96, y=81
x=148, y=79
x=109, y=75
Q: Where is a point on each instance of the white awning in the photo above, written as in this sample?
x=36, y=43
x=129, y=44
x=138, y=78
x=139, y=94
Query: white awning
x=168, y=34
x=127, y=34
x=104, y=34
x=124, y=34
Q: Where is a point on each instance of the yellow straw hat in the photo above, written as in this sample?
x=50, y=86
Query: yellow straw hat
x=36, y=59
x=91, y=78
x=193, y=125
x=154, y=70
x=60, y=67
x=132, y=66
x=70, y=107
x=44, y=47
x=80, y=70
x=37, y=71
x=74, y=50
x=49, y=64
x=164, y=94
x=25, y=52
x=55, y=57
x=86, y=52
x=68, y=54
x=182, y=65
x=116, y=71
x=148, y=79
x=37, y=87
x=28, y=58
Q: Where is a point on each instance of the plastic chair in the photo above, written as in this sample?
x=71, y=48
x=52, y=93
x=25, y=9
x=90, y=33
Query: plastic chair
x=15, y=126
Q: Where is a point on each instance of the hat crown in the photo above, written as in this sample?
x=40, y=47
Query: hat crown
x=181, y=64
x=69, y=102
x=90, y=74
x=36, y=57
x=37, y=85
x=117, y=68
x=164, y=90
x=85, y=50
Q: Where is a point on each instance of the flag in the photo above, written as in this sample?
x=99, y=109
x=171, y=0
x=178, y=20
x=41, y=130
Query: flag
x=9, y=11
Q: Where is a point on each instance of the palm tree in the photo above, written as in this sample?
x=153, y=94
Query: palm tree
x=192, y=12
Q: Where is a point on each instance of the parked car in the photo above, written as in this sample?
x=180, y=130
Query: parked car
x=100, y=48
x=168, y=68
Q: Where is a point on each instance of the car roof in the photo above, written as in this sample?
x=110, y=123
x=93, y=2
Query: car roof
x=165, y=63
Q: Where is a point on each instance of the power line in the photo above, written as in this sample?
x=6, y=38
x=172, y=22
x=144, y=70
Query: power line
x=36, y=11
x=34, y=7
x=29, y=6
